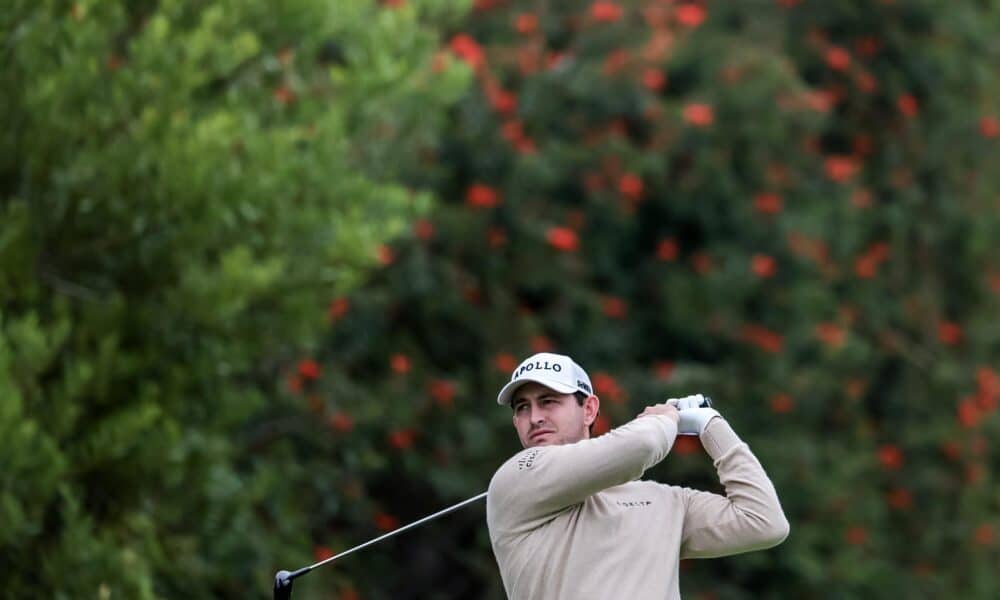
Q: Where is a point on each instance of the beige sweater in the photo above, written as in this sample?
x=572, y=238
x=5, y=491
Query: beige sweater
x=572, y=522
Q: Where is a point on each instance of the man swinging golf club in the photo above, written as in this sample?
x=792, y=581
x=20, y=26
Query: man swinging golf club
x=568, y=516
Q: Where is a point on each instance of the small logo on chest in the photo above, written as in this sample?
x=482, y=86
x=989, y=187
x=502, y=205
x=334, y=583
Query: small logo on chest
x=633, y=503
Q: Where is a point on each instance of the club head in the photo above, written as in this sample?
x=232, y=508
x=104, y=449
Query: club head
x=282, y=586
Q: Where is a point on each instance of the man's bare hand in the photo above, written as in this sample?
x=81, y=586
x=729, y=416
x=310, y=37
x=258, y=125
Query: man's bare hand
x=662, y=409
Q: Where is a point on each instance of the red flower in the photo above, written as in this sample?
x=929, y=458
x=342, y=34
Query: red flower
x=686, y=444
x=399, y=363
x=423, y=229
x=867, y=264
x=512, y=131
x=969, y=414
x=309, y=369
x=385, y=255
x=540, y=343
x=605, y=12
x=525, y=145
x=341, y=422
x=908, y=105
x=782, y=404
x=294, y=383
x=840, y=168
x=702, y=262
x=983, y=535
x=988, y=388
x=699, y=114
x=831, y=334
x=606, y=386
x=949, y=333
x=504, y=362
x=666, y=250
x=602, y=425
x=338, y=308
x=763, y=265
x=479, y=195
x=663, y=370
x=837, y=58
x=443, y=392
x=890, y=456
x=630, y=186
x=526, y=23
x=402, y=439
x=989, y=127
x=866, y=82
x=861, y=198
x=654, y=80
x=691, y=15
x=496, y=237
x=385, y=521
x=899, y=499
x=767, y=203
x=615, y=62
x=614, y=308
x=563, y=239
x=503, y=102
x=763, y=338
x=468, y=50
x=856, y=535
x=284, y=95
x=321, y=553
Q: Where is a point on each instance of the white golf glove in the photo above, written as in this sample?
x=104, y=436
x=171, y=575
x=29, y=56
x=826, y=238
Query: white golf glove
x=695, y=414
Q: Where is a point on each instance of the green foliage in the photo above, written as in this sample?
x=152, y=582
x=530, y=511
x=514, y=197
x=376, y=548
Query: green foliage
x=184, y=186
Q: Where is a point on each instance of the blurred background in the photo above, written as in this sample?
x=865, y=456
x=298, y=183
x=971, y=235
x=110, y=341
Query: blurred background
x=265, y=265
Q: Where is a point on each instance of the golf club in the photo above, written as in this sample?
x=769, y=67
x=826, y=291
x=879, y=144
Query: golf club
x=283, y=579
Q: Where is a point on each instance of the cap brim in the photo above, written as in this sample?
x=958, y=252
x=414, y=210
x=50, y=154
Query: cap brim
x=508, y=390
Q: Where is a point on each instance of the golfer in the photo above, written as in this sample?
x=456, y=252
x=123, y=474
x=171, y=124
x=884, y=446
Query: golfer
x=569, y=518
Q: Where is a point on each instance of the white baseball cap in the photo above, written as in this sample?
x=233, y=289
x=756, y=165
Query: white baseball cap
x=555, y=371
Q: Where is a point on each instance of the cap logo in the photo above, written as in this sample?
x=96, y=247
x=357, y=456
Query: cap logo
x=537, y=365
x=583, y=386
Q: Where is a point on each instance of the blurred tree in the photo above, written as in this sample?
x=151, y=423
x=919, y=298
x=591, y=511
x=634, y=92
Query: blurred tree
x=184, y=186
x=790, y=205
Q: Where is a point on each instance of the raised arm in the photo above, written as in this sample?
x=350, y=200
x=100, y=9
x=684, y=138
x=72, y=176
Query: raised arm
x=749, y=517
x=539, y=482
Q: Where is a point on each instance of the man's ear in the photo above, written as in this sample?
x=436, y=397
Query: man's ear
x=591, y=407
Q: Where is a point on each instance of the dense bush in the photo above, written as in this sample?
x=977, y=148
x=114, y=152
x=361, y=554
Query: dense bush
x=788, y=205
x=183, y=187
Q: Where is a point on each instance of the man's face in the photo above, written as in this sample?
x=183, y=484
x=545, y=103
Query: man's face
x=544, y=417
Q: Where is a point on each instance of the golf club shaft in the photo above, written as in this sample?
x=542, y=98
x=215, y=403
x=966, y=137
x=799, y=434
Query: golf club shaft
x=440, y=513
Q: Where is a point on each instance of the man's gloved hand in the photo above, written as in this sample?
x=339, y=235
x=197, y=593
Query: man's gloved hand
x=695, y=413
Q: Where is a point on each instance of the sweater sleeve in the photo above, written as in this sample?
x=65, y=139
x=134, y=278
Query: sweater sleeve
x=749, y=517
x=537, y=483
